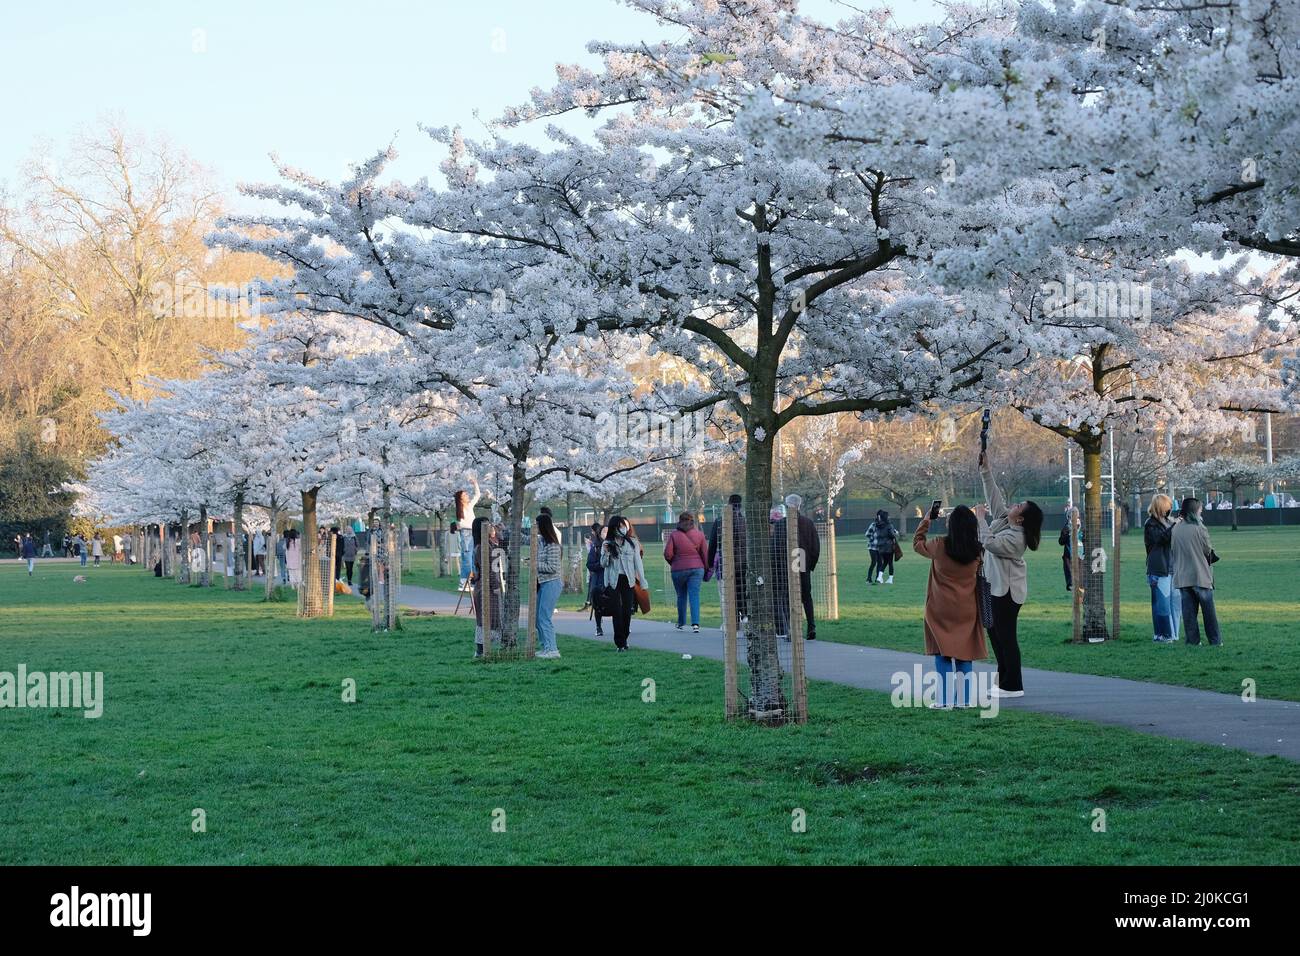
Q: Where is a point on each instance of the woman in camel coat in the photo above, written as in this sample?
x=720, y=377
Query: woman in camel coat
x=953, y=633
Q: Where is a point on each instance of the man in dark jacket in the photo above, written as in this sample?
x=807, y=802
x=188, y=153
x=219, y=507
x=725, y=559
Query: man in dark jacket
x=29, y=552
x=811, y=544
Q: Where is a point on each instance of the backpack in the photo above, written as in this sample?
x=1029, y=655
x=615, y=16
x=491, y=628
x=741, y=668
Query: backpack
x=605, y=601
x=593, y=556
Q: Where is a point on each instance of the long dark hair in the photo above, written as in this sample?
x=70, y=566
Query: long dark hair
x=1032, y=517
x=962, y=543
x=612, y=544
x=476, y=532
x=546, y=528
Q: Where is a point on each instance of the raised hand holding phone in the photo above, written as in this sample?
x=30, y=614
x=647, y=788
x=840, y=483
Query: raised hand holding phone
x=934, y=508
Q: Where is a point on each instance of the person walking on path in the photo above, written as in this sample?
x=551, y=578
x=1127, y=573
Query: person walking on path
x=687, y=554
x=718, y=561
x=1193, y=576
x=810, y=543
x=550, y=580
x=953, y=633
x=1157, y=535
x=465, y=519
x=259, y=553
x=47, y=550
x=595, y=573
x=293, y=557
x=349, y=552
x=882, y=537
x=28, y=552
x=1005, y=539
x=620, y=557
x=97, y=548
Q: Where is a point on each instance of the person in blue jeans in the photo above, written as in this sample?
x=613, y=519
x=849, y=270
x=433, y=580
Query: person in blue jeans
x=686, y=550
x=1158, y=536
x=549, y=584
x=1193, y=576
x=464, y=506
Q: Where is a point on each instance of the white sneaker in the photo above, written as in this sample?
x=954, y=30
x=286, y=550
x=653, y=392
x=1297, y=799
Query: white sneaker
x=891, y=580
x=999, y=692
x=880, y=577
x=549, y=655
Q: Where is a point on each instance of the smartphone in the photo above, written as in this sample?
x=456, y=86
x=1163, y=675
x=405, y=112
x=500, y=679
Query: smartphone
x=934, y=508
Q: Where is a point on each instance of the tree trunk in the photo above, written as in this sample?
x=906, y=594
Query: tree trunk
x=272, y=564
x=1233, y=492
x=311, y=582
x=1096, y=556
x=767, y=703
x=436, y=541
x=392, y=552
x=511, y=603
x=238, y=541
x=205, y=542
x=183, y=566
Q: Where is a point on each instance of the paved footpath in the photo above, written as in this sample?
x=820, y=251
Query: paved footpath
x=1163, y=710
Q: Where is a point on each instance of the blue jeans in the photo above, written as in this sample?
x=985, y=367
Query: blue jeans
x=1162, y=606
x=547, y=594
x=466, y=553
x=1204, y=599
x=83, y=558
x=687, y=585
x=962, y=681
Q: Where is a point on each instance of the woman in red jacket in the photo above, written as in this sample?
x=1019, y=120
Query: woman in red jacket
x=686, y=552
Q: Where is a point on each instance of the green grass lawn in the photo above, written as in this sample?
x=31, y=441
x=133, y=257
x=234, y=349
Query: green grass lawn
x=217, y=701
x=1257, y=596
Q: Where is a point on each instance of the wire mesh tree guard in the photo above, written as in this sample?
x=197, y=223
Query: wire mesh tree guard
x=825, y=577
x=316, y=593
x=497, y=638
x=383, y=575
x=764, y=676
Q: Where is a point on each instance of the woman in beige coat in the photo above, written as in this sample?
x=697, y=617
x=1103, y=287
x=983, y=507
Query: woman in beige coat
x=1005, y=538
x=953, y=633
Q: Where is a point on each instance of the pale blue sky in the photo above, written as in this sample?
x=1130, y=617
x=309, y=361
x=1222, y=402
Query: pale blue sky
x=323, y=84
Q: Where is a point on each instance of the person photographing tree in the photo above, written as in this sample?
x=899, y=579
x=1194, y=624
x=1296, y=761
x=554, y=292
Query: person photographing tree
x=1005, y=539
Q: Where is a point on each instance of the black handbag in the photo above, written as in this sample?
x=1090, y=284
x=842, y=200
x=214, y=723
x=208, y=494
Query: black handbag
x=605, y=601
x=984, y=597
